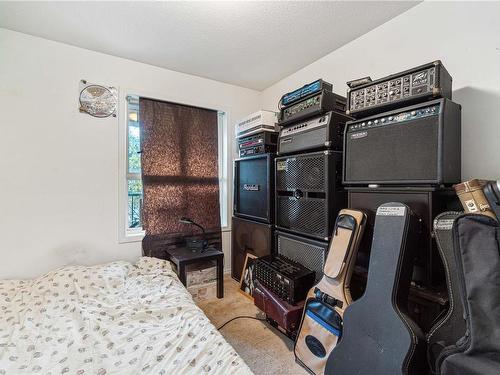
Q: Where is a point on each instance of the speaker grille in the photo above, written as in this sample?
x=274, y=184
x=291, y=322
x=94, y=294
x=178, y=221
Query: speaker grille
x=248, y=237
x=304, y=172
x=252, y=188
x=398, y=152
x=304, y=215
x=309, y=254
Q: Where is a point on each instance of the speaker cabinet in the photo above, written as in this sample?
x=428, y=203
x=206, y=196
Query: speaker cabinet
x=417, y=145
x=254, y=188
x=426, y=203
x=248, y=237
x=309, y=193
x=310, y=253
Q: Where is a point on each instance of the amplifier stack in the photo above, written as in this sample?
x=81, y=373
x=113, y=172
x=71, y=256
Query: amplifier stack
x=404, y=146
x=253, y=207
x=293, y=196
x=396, y=139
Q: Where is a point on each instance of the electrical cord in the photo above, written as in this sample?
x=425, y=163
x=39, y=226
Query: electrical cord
x=241, y=317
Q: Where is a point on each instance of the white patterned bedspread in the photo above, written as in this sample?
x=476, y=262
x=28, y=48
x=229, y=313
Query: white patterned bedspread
x=116, y=318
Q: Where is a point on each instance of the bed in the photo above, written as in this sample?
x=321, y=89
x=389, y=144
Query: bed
x=117, y=318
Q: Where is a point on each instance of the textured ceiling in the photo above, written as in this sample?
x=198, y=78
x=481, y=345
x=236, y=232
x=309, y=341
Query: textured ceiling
x=250, y=44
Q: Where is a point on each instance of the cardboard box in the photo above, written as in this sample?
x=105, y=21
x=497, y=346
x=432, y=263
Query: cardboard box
x=203, y=292
x=200, y=273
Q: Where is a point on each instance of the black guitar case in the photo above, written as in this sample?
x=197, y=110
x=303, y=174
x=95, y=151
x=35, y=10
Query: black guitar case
x=492, y=193
x=451, y=325
x=378, y=336
x=476, y=241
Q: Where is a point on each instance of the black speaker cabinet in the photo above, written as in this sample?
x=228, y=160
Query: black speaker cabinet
x=254, y=188
x=248, y=237
x=416, y=145
x=310, y=253
x=309, y=193
x=426, y=203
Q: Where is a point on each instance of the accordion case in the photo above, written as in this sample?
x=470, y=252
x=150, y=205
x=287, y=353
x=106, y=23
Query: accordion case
x=321, y=326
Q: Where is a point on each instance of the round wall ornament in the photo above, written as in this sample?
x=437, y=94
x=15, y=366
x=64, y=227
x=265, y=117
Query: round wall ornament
x=98, y=101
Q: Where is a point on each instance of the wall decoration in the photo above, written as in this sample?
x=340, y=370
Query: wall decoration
x=98, y=101
x=247, y=276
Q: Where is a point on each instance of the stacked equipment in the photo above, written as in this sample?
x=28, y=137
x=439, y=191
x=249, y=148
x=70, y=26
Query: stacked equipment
x=308, y=196
x=405, y=146
x=308, y=171
x=253, y=208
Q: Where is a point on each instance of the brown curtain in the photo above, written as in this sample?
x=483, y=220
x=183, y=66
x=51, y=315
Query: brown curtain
x=179, y=167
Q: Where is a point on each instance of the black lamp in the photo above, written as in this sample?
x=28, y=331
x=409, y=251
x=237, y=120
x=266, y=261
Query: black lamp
x=193, y=243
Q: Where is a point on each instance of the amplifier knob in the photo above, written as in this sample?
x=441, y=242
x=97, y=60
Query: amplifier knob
x=369, y=122
x=375, y=122
x=383, y=119
x=413, y=113
x=390, y=118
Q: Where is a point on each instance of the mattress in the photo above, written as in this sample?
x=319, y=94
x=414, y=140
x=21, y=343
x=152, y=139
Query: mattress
x=117, y=318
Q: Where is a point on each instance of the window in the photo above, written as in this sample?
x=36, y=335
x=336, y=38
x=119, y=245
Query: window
x=134, y=182
x=131, y=195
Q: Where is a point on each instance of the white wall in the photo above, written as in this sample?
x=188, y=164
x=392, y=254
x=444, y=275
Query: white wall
x=59, y=187
x=464, y=35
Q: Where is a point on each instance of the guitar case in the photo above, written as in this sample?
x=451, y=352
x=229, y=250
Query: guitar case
x=492, y=192
x=476, y=241
x=378, y=336
x=449, y=327
x=279, y=313
x=321, y=325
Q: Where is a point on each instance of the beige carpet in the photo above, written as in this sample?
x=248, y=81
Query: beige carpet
x=262, y=347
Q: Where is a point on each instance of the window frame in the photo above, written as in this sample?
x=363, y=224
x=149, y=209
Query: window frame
x=225, y=150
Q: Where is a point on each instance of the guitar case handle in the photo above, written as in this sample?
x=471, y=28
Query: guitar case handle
x=343, y=235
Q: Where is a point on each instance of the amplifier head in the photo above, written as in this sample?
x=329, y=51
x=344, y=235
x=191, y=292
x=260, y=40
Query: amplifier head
x=321, y=132
x=414, y=85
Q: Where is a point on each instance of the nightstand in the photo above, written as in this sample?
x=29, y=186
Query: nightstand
x=181, y=257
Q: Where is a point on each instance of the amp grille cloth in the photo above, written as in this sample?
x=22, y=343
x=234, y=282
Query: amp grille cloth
x=309, y=255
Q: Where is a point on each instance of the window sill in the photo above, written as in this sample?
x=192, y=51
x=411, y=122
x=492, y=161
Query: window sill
x=139, y=235
x=132, y=236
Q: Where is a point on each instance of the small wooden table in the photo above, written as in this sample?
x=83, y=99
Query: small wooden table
x=181, y=257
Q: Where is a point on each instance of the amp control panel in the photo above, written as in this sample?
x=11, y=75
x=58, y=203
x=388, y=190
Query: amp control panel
x=420, y=83
x=400, y=117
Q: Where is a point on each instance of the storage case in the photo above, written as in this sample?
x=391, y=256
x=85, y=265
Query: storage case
x=472, y=197
x=200, y=273
x=203, y=292
x=280, y=313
